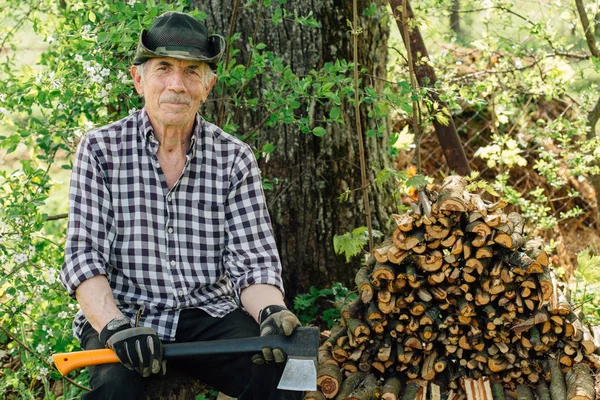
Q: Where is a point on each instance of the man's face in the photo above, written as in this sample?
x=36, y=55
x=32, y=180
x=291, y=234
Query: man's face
x=173, y=90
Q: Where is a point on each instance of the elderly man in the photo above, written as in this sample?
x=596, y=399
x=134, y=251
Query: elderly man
x=169, y=238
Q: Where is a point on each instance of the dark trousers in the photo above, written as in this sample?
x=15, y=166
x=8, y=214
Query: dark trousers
x=235, y=376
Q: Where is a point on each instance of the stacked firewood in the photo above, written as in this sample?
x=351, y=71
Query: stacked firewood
x=458, y=303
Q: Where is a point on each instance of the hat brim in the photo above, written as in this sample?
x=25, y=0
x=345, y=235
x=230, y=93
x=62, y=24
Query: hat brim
x=217, y=48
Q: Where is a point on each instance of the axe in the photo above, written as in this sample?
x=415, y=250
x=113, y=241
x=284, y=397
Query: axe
x=300, y=372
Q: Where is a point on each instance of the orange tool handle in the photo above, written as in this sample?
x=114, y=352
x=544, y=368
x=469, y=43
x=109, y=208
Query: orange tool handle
x=67, y=362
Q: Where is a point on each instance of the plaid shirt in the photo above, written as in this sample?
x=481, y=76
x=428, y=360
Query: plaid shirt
x=193, y=246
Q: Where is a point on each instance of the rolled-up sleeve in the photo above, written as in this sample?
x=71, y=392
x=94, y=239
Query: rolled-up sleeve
x=250, y=255
x=89, y=230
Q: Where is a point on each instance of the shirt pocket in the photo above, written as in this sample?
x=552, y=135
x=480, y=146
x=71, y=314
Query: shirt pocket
x=208, y=229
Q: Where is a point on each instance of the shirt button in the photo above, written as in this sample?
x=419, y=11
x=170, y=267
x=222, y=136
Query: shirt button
x=170, y=230
x=169, y=198
x=172, y=263
x=151, y=137
x=180, y=292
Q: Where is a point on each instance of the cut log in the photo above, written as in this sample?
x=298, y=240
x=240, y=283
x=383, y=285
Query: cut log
x=349, y=385
x=431, y=262
x=391, y=388
x=451, y=196
x=524, y=393
x=366, y=390
x=329, y=379
x=404, y=222
x=580, y=384
x=362, y=280
x=412, y=390
x=498, y=391
x=428, y=371
x=558, y=388
x=316, y=395
x=542, y=391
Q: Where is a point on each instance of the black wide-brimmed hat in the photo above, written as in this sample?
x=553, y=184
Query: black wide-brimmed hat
x=179, y=35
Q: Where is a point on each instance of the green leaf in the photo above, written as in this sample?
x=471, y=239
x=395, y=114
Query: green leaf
x=348, y=245
x=92, y=16
x=416, y=181
x=319, y=131
x=335, y=113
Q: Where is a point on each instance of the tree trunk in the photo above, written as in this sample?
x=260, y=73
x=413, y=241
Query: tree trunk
x=447, y=135
x=594, y=114
x=314, y=171
x=455, y=18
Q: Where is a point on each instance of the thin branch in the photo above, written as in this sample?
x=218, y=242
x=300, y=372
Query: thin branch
x=18, y=25
x=413, y=84
x=227, y=58
x=587, y=30
x=57, y=217
x=260, y=125
x=361, y=150
x=51, y=366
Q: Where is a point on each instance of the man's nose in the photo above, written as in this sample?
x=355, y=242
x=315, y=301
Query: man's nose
x=175, y=81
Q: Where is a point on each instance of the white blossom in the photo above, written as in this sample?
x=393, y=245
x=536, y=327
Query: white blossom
x=40, y=348
x=50, y=332
x=131, y=2
x=21, y=298
x=78, y=58
x=105, y=72
x=43, y=372
x=50, y=276
x=131, y=111
x=63, y=315
x=20, y=258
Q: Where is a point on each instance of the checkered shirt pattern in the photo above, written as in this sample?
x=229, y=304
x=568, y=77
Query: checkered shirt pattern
x=196, y=245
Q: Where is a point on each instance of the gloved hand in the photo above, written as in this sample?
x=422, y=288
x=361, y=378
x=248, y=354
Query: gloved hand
x=139, y=348
x=275, y=320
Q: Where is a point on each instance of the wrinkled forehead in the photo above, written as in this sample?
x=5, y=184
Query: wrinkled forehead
x=170, y=61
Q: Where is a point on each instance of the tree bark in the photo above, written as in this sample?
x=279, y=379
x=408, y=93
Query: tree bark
x=447, y=134
x=594, y=114
x=455, y=18
x=305, y=208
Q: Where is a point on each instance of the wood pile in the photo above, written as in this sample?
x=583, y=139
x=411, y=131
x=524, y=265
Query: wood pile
x=458, y=304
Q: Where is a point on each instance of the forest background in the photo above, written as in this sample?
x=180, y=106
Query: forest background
x=516, y=81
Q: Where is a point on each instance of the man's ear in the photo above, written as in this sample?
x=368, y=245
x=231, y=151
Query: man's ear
x=134, y=71
x=209, y=86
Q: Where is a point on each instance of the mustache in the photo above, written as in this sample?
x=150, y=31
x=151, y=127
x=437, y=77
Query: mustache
x=175, y=99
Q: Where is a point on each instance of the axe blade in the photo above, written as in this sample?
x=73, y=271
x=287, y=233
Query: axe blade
x=300, y=373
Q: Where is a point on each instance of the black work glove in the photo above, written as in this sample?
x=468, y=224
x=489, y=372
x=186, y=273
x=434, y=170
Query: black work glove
x=139, y=348
x=275, y=320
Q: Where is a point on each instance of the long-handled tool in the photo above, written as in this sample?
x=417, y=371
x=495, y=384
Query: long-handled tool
x=300, y=372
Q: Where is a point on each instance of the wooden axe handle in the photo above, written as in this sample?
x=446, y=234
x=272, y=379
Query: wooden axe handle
x=304, y=342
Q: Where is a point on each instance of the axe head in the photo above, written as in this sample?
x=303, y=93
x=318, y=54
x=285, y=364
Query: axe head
x=300, y=372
